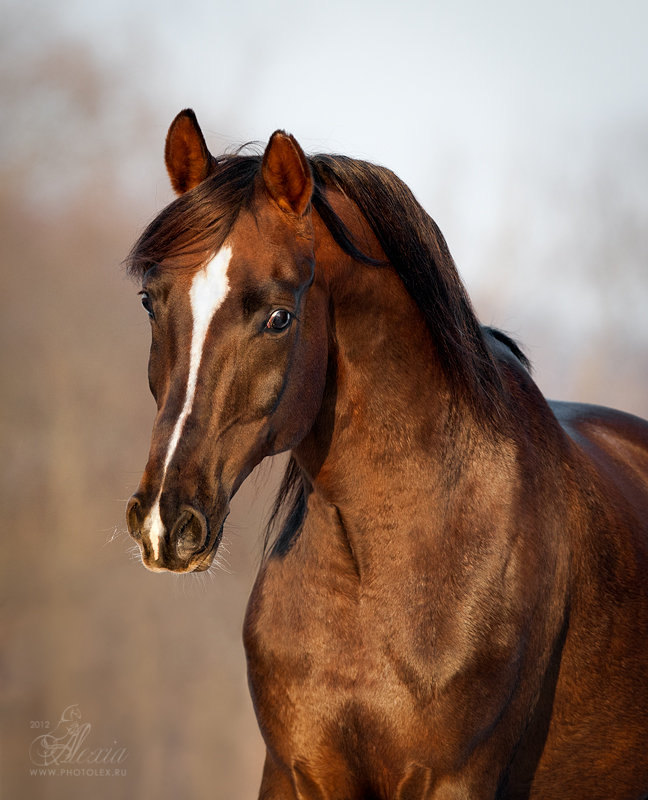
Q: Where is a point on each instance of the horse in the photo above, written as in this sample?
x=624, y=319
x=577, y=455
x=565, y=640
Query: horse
x=453, y=597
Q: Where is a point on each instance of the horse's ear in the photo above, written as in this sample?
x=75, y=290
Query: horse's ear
x=287, y=174
x=187, y=159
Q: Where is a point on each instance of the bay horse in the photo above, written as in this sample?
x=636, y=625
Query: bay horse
x=453, y=601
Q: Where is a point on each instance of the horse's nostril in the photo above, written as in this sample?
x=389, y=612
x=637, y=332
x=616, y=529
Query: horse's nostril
x=134, y=518
x=189, y=533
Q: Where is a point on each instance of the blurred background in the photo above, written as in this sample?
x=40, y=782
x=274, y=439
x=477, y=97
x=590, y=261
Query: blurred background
x=522, y=128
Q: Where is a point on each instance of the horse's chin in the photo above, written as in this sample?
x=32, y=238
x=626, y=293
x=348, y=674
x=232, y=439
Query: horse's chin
x=197, y=564
x=202, y=567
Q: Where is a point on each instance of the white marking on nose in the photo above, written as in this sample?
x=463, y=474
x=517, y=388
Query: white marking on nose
x=208, y=290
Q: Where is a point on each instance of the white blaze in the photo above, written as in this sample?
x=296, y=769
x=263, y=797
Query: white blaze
x=207, y=293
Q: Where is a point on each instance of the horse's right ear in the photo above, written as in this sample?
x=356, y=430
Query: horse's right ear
x=187, y=159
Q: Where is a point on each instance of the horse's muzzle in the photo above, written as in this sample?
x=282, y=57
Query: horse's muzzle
x=187, y=548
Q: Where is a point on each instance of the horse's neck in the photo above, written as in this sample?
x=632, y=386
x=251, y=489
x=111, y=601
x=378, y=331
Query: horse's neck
x=386, y=450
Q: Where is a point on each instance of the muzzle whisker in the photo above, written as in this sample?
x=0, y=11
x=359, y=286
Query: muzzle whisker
x=116, y=533
x=220, y=564
x=135, y=553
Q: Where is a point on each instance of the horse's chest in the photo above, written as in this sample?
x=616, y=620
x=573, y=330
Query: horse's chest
x=326, y=693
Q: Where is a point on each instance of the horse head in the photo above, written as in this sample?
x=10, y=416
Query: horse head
x=239, y=347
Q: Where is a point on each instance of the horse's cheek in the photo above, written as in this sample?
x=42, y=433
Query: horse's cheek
x=303, y=392
x=263, y=390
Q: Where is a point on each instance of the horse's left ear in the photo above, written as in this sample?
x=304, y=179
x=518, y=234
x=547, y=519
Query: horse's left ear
x=187, y=159
x=287, y=174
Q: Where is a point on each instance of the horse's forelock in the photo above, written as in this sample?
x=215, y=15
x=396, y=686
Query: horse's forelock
x=196, y=224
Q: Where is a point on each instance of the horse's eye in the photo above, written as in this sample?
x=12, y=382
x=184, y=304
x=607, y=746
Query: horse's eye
x=146, y=302
x=279, y=320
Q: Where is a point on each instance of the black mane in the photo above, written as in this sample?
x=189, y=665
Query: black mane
x=417, y=250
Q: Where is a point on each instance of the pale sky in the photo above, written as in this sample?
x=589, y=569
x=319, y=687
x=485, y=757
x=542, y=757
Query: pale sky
x=387, y=79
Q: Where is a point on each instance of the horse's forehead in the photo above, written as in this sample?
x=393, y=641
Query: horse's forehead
x=260, y=246
x=267, y=240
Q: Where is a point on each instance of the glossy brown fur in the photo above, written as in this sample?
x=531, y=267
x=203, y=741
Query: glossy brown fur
x=456, y=605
